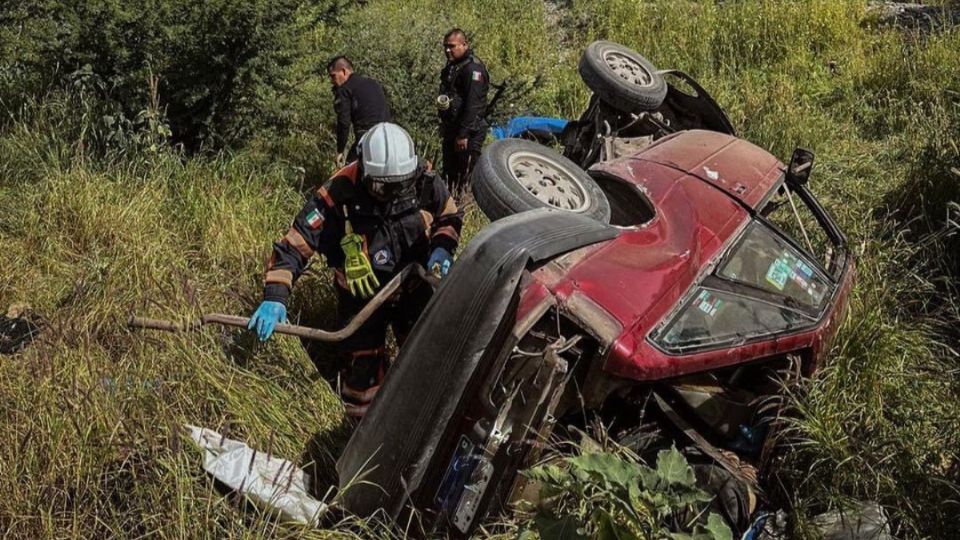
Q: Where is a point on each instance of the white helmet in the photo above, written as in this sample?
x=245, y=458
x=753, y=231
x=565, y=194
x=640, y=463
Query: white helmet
x=387, y=153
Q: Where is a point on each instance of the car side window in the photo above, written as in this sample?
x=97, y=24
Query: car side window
x=713, y=317
x=764, y=260
x=794, y=218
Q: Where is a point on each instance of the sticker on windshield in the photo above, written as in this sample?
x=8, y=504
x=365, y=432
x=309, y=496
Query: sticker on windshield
x=803, y=276
x=778, y=273
x=708, y=303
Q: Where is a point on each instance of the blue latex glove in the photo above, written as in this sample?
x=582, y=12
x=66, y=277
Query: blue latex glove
x=440, y=261
x=266, y=318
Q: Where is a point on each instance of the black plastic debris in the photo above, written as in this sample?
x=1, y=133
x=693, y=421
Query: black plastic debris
x=16, y=333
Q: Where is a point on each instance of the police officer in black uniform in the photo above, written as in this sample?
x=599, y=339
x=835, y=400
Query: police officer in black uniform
x=357, y=100
x=462, y=106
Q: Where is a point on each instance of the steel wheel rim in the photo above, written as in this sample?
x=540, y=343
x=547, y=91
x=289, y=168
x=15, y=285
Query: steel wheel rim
x=627, y=68
x=548, y=181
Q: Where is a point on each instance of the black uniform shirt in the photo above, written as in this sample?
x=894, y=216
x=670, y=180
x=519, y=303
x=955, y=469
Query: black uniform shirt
x=465, y=82
x=394, y=236
x=360, y=100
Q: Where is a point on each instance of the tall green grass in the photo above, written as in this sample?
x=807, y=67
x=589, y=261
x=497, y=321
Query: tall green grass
x=92, y=410
x=94, y=227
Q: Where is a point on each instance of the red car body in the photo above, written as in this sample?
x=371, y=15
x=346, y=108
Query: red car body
x=704, y=188
x=549, y=313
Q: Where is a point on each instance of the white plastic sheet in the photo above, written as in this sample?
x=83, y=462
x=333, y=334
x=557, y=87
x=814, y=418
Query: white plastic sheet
x=269, y=482
x=866, y=520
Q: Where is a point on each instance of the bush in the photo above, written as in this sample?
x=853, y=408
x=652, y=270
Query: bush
x=211, y=68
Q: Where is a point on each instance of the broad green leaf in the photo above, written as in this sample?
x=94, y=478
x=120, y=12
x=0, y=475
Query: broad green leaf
x=636, y=499
x=548, y=473
x=649, y=478
x=673, y=469
x=565, y=528
x=656, y=502
x=607, y=468
x=528, y=534
x=693, y=496
x=718, y=528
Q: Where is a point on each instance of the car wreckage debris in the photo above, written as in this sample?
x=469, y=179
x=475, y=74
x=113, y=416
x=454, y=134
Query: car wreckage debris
x=269, y=482
x=17, y=329
x=688, y=292
x=695, y=304
x=744, y=474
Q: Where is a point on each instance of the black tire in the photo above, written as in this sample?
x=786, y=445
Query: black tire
x=645, y=92
x=500, y=172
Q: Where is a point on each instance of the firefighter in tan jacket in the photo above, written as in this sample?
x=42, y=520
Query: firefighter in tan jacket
x=373, y=218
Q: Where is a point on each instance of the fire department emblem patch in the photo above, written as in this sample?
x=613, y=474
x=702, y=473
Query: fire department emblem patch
x=382, y=257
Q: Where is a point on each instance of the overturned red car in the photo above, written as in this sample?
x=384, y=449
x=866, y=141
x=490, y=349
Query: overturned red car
x=668, y=279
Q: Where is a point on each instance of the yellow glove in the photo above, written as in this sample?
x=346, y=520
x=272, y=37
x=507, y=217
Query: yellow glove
x=361, y=281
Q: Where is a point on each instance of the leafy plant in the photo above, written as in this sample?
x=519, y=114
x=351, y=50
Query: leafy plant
x=610, y=496
x=216, y=68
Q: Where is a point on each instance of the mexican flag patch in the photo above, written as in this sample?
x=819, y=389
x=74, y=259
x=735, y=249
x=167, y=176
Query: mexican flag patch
x=477, y=76
x=314, y=219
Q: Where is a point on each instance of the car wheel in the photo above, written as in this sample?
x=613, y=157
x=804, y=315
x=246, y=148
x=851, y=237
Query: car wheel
x=621, y=77
x=514, y=175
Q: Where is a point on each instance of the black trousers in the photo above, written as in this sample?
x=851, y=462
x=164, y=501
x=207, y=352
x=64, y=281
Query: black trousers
x=363, y=355
x=457, y=165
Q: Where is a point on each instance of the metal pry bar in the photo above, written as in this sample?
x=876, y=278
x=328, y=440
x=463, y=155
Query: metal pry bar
x=291, y=329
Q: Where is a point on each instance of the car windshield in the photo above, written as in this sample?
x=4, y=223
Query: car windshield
x=764, y=260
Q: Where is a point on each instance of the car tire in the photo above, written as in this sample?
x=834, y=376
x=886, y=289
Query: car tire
x=621, y=77
x=515, y=175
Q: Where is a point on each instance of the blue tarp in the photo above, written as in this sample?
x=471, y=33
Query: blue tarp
x=520, y=124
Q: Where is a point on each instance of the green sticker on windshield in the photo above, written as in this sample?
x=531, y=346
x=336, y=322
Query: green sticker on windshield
x=779, y=273
x=708, y=304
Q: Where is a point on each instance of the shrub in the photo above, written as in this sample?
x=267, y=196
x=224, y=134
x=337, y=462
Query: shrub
x=216, y=65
